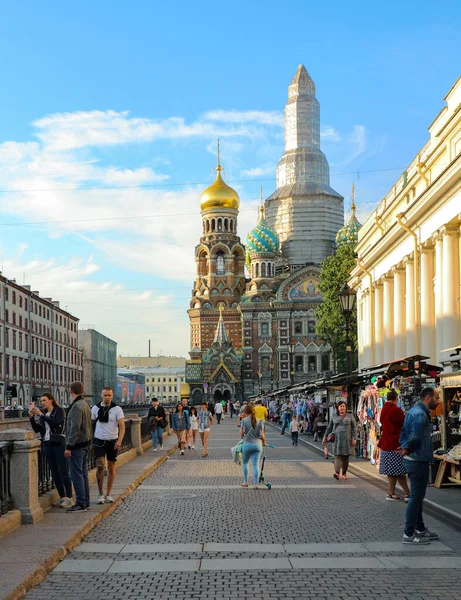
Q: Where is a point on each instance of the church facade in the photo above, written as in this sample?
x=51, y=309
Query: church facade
x=260, y=324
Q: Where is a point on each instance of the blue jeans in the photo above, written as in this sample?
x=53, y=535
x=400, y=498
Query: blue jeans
x=157, y=436
x=79, y=475
x=58, y=464
x=418, y=473
x=251, y=450
x=285, y=422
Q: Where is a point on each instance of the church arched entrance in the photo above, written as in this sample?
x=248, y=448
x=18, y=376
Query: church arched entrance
x=222, y=392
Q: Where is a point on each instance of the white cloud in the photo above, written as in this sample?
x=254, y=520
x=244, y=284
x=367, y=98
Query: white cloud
x=245, y=116
x=259, y=171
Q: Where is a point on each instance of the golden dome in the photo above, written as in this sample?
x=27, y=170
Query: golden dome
x=219, y=195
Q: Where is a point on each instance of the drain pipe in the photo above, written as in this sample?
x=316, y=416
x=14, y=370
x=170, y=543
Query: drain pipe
x=372, y=309
x=404, y=226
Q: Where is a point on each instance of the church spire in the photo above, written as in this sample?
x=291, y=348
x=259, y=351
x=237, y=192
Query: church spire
x=221, y=336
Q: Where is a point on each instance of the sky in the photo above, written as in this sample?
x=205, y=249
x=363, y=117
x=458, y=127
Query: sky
x=109, y=115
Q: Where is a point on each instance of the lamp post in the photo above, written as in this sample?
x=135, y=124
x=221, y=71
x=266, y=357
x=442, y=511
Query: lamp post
x=347, y=298
x=292, y=362
x=260, y=375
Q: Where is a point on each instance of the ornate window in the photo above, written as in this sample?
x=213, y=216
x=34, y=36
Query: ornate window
x=263, y=269
x=264, y=329
x=220, y=268
x=299, y=364
x=298, y=327
x=257, y=270
x=325, y=362
x=311, y=327
x=312, y=364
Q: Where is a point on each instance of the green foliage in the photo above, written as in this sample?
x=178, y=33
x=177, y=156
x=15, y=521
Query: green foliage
x=335, y=272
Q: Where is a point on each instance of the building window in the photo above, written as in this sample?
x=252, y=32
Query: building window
x=311, y=327
x=325, y=362
x=312, y=364
x=220, y=269
x=298, y=327
x=264, y=328
x=299, y=364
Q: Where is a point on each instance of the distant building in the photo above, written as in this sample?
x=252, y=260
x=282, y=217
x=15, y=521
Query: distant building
x=38, y=346
x=163, y=383
x=99, y=363
x=135, y=362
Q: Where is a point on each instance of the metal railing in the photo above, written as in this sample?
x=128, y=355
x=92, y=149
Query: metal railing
x=6, y=502
x=45, y=478
x=127, y=443
x=146, y=432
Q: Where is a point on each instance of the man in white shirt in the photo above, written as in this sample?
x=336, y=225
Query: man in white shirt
x=218, y=411
x=109, y=430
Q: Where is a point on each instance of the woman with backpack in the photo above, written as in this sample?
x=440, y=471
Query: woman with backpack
x=252, y=433
x=341, y=433
x=49, y=423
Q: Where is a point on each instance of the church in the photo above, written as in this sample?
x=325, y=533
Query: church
x=252, y=311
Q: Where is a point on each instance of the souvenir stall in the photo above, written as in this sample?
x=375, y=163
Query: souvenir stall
x=449, y=415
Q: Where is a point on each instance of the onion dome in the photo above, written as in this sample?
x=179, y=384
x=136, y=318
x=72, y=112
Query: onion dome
x=262, y=238
x=219, y=194
x=349, y=234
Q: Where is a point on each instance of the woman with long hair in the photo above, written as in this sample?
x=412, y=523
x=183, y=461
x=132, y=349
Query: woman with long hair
x=344, y=429
x=252, y=432
x=205, y=420
x=193, y=425
x=181, y=425
x=49, y=423
x=391, y=463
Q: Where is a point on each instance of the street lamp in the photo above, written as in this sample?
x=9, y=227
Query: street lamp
x=347, y=298
x=292, y=362
x=260, y=382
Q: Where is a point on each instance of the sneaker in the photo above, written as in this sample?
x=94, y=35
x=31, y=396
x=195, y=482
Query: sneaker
x=155, y=449
x=415, y=539
x=100, y=499
x=65, y=503
x=182, y=452
x=76, y=508
x=108, y=499
x=193, y=447
x=161, y=447
x=188, y=447
x=406, y=499
x=427, y=535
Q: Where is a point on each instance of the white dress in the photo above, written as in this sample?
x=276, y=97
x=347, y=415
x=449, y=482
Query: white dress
x=194, y=422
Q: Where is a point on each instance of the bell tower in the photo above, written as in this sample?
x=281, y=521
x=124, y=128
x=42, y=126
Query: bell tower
x=220, y=262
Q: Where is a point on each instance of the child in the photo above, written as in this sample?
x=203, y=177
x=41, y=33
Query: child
x=294, y=429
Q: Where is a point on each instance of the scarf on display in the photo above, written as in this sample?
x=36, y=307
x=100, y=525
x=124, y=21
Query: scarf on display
x=103, y=414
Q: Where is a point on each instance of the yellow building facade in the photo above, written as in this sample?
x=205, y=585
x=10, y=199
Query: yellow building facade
x=409, y=253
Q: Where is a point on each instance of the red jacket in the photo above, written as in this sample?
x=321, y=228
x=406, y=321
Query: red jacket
x=392, y=418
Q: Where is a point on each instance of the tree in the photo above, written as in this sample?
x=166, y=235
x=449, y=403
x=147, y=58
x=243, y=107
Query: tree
x=335, y=271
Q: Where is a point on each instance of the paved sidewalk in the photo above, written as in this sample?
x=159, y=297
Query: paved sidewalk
x=190, y=531
x=30, y=551
x=443, y=502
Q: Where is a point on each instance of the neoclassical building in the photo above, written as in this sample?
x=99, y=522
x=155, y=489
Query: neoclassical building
x=409, y=253
x=269, y=312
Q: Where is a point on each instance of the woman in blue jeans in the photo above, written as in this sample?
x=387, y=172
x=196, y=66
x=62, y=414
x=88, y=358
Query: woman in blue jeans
x=252, y=432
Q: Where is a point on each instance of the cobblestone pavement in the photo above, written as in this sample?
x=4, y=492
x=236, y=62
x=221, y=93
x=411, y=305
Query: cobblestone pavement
x=190, y=531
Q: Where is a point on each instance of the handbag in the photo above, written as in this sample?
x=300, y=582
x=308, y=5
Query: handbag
x=236, y=451
x=332, y=436
x=58, y=438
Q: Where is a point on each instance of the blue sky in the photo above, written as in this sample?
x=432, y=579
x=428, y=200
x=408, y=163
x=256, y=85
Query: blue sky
x=116, y=94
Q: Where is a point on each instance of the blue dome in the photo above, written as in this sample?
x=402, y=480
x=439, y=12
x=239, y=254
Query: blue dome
x=262, y=238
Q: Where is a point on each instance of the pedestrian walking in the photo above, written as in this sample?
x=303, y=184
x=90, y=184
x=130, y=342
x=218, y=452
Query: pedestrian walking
x=181, y=425
x=241, y=412
x=294, y=430
x=391, y=463
x=252, y=432
x=205, y=420
x=49, y=423
x=157, y=420
x=218, y=410
x=261, y=411
x=342, y=434
x=193, y=425
x=109, y=431
x=186, y=409
x=416, y=448
x=287, y=411
x=78, y=433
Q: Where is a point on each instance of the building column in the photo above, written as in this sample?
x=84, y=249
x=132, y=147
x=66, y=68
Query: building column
x=399, y=313
x=450, y=300
x=428, y=347
x=379, y=324
x=388, y=318
x=359, y=329
x=366, y=328
x=410, y=320
x=438, y=296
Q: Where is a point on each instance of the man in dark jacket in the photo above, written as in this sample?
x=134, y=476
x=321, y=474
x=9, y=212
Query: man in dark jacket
x=157, y=421
x=416, y=448
x=78, y=439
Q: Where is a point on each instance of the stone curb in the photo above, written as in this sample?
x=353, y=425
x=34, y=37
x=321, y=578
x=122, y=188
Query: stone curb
x=51, y=561
x=435, y=509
